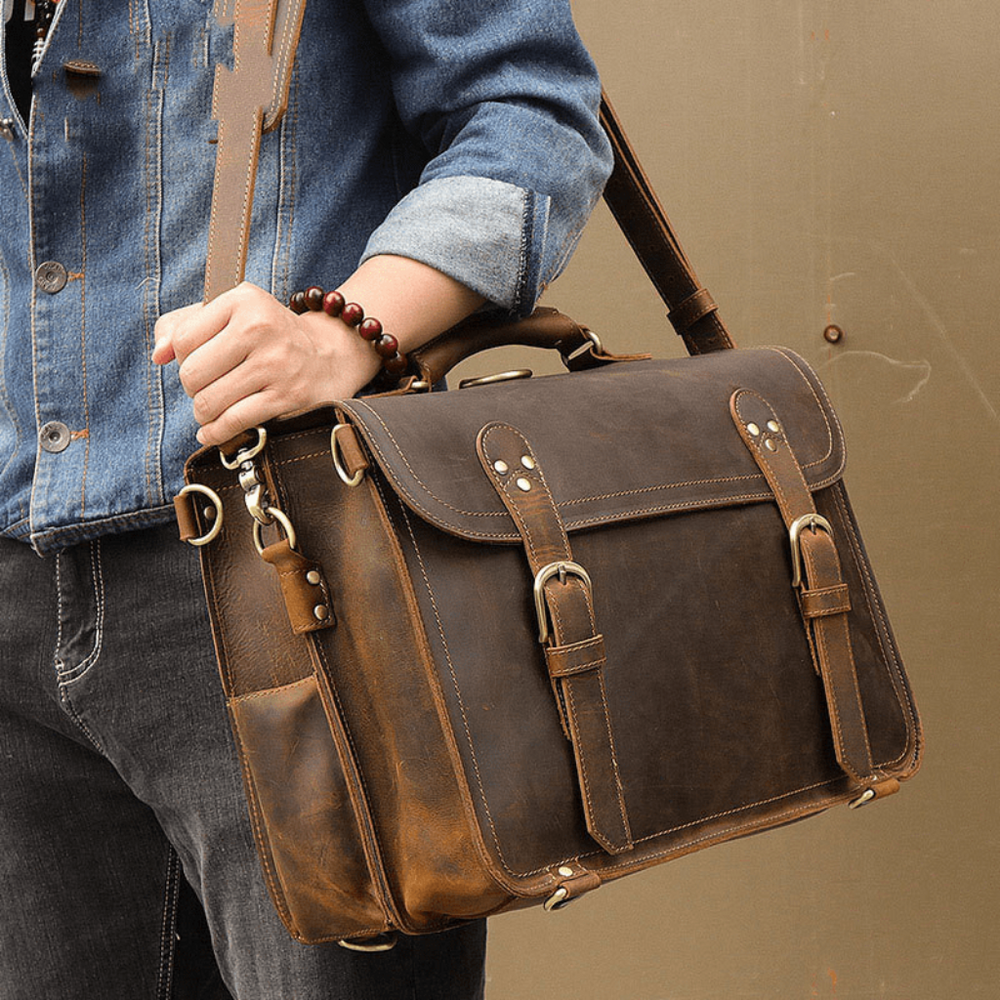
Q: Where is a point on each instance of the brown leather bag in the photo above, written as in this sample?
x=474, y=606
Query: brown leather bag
x=497, y=646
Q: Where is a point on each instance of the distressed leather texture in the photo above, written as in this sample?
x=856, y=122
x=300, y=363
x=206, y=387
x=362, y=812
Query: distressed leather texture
x=419, y=763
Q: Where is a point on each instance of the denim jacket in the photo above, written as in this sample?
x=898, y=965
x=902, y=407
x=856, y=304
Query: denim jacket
x=461, y=133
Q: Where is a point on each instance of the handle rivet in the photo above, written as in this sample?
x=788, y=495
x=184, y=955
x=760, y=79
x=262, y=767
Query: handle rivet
x=753, y=429
x=313, y=577
x=527, y=461
x=523, y=484
x=321, y=611
x=770, y=445
x=774, y=426
x=565, y=872
x=502, y=468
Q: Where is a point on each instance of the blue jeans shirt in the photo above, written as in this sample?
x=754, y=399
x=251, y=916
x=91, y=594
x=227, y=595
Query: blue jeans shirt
x=461, y=133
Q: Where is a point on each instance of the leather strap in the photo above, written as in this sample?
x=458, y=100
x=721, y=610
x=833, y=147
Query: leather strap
x=575, y=657
x=640, y=215
x=247, y=100
x=823, y=596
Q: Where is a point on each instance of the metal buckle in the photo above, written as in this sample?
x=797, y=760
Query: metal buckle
x=542, y=577
x=214, y=497
x=594, y=347
x=868, y=795
x=811, y=521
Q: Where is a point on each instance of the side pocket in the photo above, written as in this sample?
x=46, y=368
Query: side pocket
x=303, y=821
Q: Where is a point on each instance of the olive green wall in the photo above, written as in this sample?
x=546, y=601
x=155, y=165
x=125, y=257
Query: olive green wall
x=826, y=162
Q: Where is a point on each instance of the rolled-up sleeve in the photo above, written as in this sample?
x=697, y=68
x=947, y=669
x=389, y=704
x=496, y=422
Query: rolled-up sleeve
x=503, y=97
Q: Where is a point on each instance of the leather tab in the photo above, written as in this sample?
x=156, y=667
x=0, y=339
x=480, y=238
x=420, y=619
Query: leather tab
x=824, y=599
x=682, y=317
x=352, y=455
x=304, y=588
x=187, y=520
x=576, y=660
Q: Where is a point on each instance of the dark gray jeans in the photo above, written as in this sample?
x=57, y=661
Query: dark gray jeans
x=117, y=772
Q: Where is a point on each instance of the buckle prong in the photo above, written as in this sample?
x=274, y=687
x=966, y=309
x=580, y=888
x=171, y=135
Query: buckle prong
x=812, y=521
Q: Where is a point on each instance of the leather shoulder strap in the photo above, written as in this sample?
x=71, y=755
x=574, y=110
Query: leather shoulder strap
x=640, y=215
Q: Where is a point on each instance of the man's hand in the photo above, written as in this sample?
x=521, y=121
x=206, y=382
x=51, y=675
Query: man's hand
x=245, y=358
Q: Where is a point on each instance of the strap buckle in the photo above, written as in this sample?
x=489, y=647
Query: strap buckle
x=560, y=568
x=812, y=521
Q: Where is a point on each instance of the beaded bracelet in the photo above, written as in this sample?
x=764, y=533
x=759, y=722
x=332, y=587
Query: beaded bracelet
x=334, y=304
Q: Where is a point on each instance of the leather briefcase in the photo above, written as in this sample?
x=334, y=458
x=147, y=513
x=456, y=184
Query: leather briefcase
x=497, y=646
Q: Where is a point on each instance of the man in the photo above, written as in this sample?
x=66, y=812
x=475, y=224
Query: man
x=453, y=150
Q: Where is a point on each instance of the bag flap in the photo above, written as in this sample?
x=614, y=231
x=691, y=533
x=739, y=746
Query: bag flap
x=625, y=441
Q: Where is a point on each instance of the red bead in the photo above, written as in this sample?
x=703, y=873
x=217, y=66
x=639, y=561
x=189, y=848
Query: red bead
x=333, y=303
x=370, y=329
x=396, y=365
x=387, y=345
x=314, y=298
x=297, y=303
x=352, y=314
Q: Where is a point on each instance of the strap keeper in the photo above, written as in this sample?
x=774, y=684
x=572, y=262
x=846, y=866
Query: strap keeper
x=576, y=657
x=825, y=601
x=695, y=307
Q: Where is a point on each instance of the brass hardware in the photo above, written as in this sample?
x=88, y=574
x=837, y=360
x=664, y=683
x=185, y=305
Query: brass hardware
x=528, y=462
x=811, y=521
x=753, y=429
x=868, y=795
x=557, y=900
x=321, y=612
x=770, y=445
x=565, y=872
x=277, y=515
x=354, y=480
x=833, y=334
x=216, y=512
x=245, y=454
x=420, y=385
x=384, y=942
x=523, y=484
x=313, y=577
x=501, y=467
x=468, y=383
x=774, y=427
x=542, y=577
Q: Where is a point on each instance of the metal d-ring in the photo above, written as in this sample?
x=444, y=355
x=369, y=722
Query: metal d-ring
x=354, y=480
x=385, y=942
x=217, y=504
x=510, y=376
x=282, y=518
x=557, y=900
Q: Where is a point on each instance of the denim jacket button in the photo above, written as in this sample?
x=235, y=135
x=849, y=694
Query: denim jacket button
x=7, y=128
x=54, y=437
x=51, y=276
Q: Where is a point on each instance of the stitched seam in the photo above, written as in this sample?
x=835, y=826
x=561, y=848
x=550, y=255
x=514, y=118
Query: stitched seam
x=626, y=829
x=97, y=576
x=824, y=411
x=889, y=661
x=579, y=668
x=461, y=703
x=168, y=924
x=83, y=332
x=251, y=695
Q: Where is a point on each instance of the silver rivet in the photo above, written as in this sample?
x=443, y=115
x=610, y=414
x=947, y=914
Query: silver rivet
x=51, y=276
x=313, y=577
x=321, y=611
x=753, y=429
x=770, y=445
x=565, y=872
x=7, y=128
x=774, y=426
x=501, y=467
x=210, y=513
x=54, y=437
x=523, y=484
x=527, y=461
